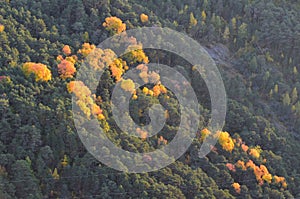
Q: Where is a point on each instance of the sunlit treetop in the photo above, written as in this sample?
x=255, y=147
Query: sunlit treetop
x=100, y=58
x=40, y=71
x=117, y=68
x=193, y=20
x=2, y=27
x=136, y=55
x=128, y=85
x=85, y=100
x=66, y=69
x=226, y=141
x=144, y=18
x=244, y=147
x=73, y=59
x=162, y=141
x=204, y=133
x=237, y=187
x=254, y=152
x=114, y=25
x=86, y=49
x=59, y=58
x=67, y=50
x=79, y=89
x=241, y=164
x=143, y=134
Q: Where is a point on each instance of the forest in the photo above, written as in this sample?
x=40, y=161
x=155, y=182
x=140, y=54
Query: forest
x=45, y=44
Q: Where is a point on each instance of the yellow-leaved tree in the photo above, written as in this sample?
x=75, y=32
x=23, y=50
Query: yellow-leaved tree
x=128, y=85
x=2, y=27
x=86, y=49
x=114, y=25
x=67, y=50
x=226, y=141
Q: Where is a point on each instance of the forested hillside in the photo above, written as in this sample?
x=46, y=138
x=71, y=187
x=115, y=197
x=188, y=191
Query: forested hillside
x=43, y=45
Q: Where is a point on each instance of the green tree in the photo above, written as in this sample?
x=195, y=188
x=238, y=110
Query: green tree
x=27, y=186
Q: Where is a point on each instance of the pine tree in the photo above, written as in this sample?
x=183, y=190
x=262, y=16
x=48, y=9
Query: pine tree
x=286, y=99
x=294, y=95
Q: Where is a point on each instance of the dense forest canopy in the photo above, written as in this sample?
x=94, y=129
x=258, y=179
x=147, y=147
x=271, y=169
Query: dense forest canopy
x=43, y=45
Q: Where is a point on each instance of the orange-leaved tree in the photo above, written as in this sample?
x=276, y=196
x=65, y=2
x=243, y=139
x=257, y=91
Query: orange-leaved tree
x=117, y=68
x=144, y=18
x=67, y=50
x=40, y=71
x=236, y=187
x=66, y=69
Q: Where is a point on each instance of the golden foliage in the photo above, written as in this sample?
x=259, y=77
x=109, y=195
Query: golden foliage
x=2, y=27
x=134, y=97
x=96, y=109
x=226, y=141
x=150, y=92
x=67, y=50
x=41, y=72
x=142, y=67
x=117, y=68
x=101, y=117
x=204, y=133
x=145, y=90
x=144, y=76
x=144, y=18
x=65, y=161
x=281, y=180
x=203, y=15
x=72, y=59
x=156, y=90
x=154, y=77
x=261, y=172
x=267, y=178
x=143, y=134
x=101, y=58
x=59, y=58
x=166, y=115
x=55, y=174
x=136, y=54
x=114, y=25
x=79, y=89
x=86, y=49
x=147, y=76
x=128, y=85
x=236, y=187
x=255, y=152
x=66, y=69
x=84, y=99
x=241, y=164
x=162, y=89
x=162, y=141
x=244, y=147
x=193, y=20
